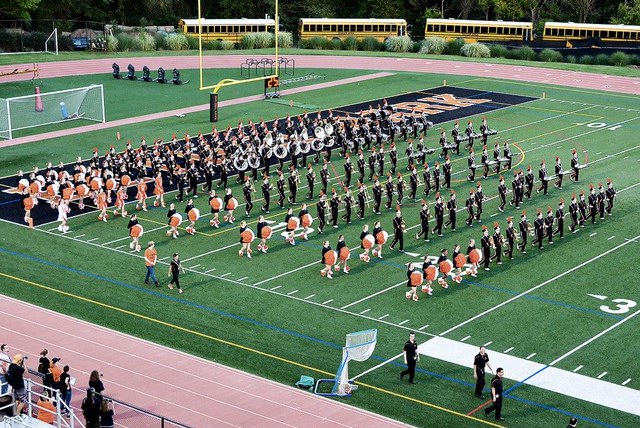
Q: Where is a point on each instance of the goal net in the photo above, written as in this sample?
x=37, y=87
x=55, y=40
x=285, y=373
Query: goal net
x=359, y=347
x=40, y=109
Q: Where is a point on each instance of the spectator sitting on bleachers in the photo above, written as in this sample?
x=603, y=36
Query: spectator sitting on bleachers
x=49, y=415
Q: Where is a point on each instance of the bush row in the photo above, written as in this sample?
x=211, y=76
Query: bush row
x=29, y=42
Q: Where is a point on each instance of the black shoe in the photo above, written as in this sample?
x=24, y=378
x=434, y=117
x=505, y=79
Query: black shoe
x=499, y=419
x=480, y=396
x=146, y=281
x=486, y=414
x=412, y=382
x=401, y=376
x=157, y=285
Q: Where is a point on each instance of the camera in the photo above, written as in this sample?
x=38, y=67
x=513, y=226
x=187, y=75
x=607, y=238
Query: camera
x=26, y=357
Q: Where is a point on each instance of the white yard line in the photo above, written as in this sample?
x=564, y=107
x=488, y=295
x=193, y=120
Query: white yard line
x=597, y=336
x=537, y=287
x=508, y=350
x=531, y=356
x=211, y=252
x=327, y=302
x=626, y=382
x=365, y=311
x=423, y=327
x=373, y=295
x=603, y=374
x=577, y=369
x=128, y=237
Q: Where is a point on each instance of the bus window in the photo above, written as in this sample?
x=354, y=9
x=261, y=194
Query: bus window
x=326, y=27
x=367, y=28
x=484, y=30
x=492, y=30
x=334, y=28
x=449, y=28
x=359, y=28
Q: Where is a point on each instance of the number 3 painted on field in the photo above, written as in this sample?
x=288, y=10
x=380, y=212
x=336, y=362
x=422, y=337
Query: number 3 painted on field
x=623, y=306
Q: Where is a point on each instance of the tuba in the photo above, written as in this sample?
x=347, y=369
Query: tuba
x=268, y=139
x=280, y=151
x=317, y=145
x=254, y=161
x=240, y=163
x=305, y=147
x=294, y=148
x=328, y=129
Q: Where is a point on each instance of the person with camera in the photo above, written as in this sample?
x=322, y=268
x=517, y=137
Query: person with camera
x=91, y=409
x=96, y=384
x=106, y=414
x=15, y=378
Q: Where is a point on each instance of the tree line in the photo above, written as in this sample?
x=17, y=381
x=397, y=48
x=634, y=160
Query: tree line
x=168, y=12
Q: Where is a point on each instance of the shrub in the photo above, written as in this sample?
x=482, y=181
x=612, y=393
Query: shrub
x=527, y=54
x=370, y=44
x=499, y=51
x=176, y=42
x=335, y=44
x=319, y=42
x=8, y=42
x=226, y=45
x=214, y=45
x=586, y=59
x=248, y=41
x=571, y=59
x=112, y=43
x=634, y=59
x=433, y=45
x=398, y=44
x=603, y=59
x=285, y=39
x=264, y=40
x=125, y=42
x=350, y=44
x=454, y=46
x=415, y=46
x=620, y=59
x=65, y=43
x=549, y=55
x=476, y=50
x=159, y=39
x=144, y=42
x=193, y=43
x=35, y=40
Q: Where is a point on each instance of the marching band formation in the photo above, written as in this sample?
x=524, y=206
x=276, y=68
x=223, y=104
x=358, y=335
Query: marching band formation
x=306, y=142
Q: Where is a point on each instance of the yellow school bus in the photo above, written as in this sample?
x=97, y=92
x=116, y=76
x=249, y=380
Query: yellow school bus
x=479, y=31
x=341, y=28
x=226, y=29
x=569, y=33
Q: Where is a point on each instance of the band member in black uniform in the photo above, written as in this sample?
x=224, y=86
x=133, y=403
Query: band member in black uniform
x=446, y=170
x=469, y=133
x=506, y=154
x=311, y=179
x=610, y=195
x=582, y=207
x=485, y=162
x=548, y=223
x=393, y=157
x=413, y=184
x=496, y=158
x=426, y=177
x=334, y=203
x=398, y=231
x=224, y=175
x=575, y=166
x=496, y=395
x=361, y=166
x=420, y=151
x=377, y=196
x=511, y=237
x=380, y=159
x=479, y=199
x=502, y=194
x=485, y=242
x=293, y=179
x=558, y=172
x=443, y=143
x=280, y=186
x=601, y=200
x=455, y=133
x=410, y=153
x=452, y=206
x=573, y=212
x=348, y=204
x=479, y=362
x=517, y=187
x=192, y=175
x=321, y=207
x=182, y=185
x=436, y=177
x=497, y=243
x=411, y=355
x=424, y=221
x=471, y=162
x=484, y=130
x=538, y=226
x=266, y=193
x=324, y=177
x=439, y=211
x=593, y=203
x=372, y=164
x=542, y=175
x=560, y=219
x=400, y=186
x=389, y=191
x=529, y=180
x=524, y=232
x=247, y=190
x=362, y=199
x=470, y=203
x=348, y=170
x=208, y=177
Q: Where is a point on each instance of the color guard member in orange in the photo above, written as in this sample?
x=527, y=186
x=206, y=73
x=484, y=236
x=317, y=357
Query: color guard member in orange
x=329, y=258
x=158, y=190
x=264, y=232
x=305, y=221
x=63, y=211
x=111, y=185
x=475, y=257
x=246, y=238
x=135, y=232
x=459, y=260
x=28, y=202
x=344, y=254
x=121, y=196
x=230, y=204
x=414, y=280
x=445, y=266
x=141, y=196
x=101, y=201
x=430, y=272
x=381, y=237
x=174, y=222
x=216, y=205
x=367, y=242
x=293, y=223
x=193, y=215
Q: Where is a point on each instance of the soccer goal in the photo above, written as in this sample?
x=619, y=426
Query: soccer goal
x=41, y=109
x=359, y=347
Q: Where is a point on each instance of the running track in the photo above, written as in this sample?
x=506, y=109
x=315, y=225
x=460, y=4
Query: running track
x=210, y=394
x=205, y=394
x=582, y=80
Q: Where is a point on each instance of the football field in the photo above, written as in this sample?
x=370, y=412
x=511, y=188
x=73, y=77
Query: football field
x=569, y=309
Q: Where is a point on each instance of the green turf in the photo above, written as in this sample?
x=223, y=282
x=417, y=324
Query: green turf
x=255, y=302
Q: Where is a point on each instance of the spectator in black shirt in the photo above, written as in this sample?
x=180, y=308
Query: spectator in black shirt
x=479, y=362
x=91, y=409
x=496, y=395
x=174, y=271
x=15, y=378
x=65, y=390
x=411, y=357
x=96, y=384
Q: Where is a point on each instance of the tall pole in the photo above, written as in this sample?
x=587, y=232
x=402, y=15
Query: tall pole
x=276, y=33
x=200, y=40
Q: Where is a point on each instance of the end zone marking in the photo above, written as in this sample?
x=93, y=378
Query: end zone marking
x=626, y=382
x=603, y=374
x=508, y=350
x=577, y=368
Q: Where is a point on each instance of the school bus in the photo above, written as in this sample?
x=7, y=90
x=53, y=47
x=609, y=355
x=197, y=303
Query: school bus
x=569, y=33
x=226, y=29
x=341, y=28
x=479, y=31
